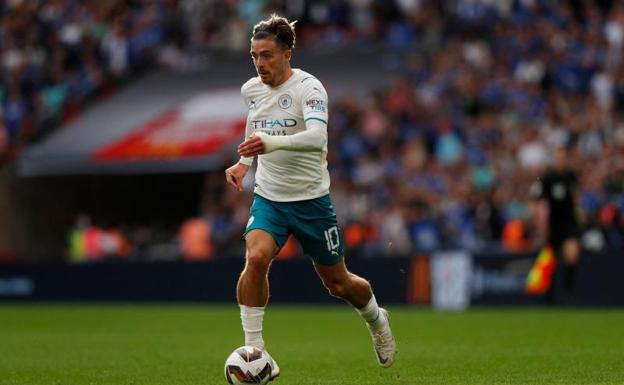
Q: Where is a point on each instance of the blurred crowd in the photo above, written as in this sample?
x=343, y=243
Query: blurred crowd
x=443, y=157
x=58, y=56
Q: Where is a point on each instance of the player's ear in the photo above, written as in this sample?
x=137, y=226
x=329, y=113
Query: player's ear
x=288, y=54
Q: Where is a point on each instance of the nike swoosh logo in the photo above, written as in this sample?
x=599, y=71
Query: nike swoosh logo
x=381, y=359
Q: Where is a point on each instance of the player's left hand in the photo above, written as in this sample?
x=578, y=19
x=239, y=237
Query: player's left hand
x=252, y=146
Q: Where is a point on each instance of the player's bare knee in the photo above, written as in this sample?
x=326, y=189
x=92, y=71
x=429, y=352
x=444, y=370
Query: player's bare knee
x=258, y=262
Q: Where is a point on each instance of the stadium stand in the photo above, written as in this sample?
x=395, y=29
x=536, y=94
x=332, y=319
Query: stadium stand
x=60, y=56
x=446, y=153
x=441, y=156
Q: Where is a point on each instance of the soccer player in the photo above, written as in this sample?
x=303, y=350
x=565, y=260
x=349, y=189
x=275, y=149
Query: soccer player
x=557, y=188
x=287, y=130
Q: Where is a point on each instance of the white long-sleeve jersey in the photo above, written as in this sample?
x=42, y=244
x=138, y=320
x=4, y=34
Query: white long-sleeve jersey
x=292, y=120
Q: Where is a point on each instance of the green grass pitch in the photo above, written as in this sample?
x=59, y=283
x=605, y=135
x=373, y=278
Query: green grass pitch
x=187, y=344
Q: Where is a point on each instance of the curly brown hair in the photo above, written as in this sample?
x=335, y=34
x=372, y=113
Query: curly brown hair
x=277, y=27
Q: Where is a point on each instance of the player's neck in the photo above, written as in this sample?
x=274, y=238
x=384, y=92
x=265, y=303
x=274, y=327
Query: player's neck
x=287, y=74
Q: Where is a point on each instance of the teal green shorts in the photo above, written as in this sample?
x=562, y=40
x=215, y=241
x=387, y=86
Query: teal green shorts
x=312, y=222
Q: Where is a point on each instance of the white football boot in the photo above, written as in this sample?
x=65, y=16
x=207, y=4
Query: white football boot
x=383, y=341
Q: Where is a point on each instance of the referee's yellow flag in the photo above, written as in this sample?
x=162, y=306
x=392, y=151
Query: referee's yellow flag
x=540, y=277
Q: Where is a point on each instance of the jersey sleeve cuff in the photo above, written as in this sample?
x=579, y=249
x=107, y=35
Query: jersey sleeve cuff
x=273, y=143
x=246, y=161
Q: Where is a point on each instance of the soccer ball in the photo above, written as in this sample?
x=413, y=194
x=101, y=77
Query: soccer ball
x=248, y=365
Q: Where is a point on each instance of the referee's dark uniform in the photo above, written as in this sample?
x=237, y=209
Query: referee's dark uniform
x=558, y=187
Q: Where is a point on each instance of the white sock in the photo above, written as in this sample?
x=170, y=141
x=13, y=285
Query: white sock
x=251, y=318
x=371, y=314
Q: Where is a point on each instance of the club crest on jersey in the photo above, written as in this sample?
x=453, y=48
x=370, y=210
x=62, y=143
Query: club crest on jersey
x=284, y=101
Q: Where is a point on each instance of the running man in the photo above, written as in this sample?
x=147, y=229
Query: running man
x=287, y=130
x=558, y=189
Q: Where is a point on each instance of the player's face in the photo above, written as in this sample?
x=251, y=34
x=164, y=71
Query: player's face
x=270, y=60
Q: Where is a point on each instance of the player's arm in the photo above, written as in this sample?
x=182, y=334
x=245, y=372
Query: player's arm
x=234, y=175
x=313, y=139
x=576, y=199
x=247, y=160
x=539, y=210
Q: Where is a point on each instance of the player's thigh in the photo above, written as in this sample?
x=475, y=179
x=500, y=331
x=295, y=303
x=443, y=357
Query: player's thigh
x=260, y=244
x=315, y=226
x=267, y=222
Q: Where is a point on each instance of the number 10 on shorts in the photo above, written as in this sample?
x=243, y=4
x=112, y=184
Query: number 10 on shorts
x=332, y=238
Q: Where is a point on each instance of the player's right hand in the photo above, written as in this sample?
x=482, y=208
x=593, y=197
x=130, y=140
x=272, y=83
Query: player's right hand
x=235, y=174
x=253, y=146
